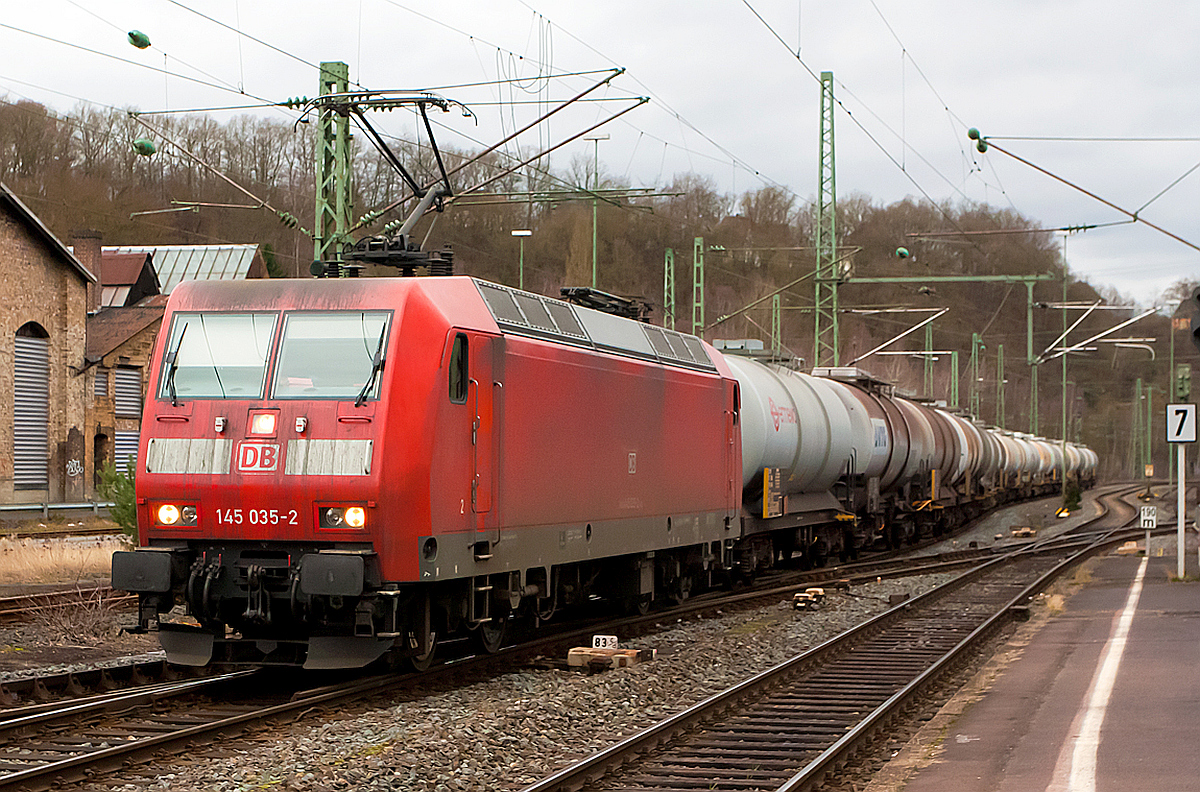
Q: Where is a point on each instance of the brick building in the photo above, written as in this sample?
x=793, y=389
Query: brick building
x=125, y=313
x=120, y=342
x=128, y=310
x=43, y=310
x=77, y=328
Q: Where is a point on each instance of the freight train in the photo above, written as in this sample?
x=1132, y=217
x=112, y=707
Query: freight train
x=332, y=471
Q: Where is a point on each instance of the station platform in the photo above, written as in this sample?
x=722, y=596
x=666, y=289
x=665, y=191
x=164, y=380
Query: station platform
x=1099, y=692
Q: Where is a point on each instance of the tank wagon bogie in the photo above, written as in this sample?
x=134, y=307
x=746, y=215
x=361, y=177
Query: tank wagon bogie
x=339, y=469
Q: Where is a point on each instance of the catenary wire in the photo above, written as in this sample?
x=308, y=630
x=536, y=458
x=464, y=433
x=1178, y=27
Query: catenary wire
x=854, y=118
x=122, y=31
x=129, y=62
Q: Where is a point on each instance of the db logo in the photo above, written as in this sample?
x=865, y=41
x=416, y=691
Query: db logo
x=253, y=457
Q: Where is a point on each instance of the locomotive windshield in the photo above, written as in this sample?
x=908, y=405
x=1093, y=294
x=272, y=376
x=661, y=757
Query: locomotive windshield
x=331, y=355
x=217, y=356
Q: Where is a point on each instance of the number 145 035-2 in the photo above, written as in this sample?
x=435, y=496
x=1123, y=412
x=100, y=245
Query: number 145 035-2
x=257, y=517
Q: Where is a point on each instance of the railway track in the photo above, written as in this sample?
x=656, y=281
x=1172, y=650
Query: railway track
x=118, y=715
x=72, y=532
x=789, y=727
x=22, y=691
x=45, y=745
x=49, y=744
x=22, y=606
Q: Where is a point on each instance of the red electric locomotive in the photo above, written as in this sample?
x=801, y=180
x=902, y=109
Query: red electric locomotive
x=332, y=470
x=335, y=469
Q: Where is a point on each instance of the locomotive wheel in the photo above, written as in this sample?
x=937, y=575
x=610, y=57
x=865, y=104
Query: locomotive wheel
x=490, y=635
x=680, y=589
x=421, y=663
x=637, y=605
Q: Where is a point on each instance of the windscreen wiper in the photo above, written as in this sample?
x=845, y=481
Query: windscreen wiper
x=173, y=363
x=376, y=367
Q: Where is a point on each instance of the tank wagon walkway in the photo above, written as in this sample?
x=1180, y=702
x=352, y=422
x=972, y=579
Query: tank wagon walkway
x=1102, y=698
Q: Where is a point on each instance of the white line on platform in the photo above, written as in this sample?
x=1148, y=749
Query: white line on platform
x=1076, y=767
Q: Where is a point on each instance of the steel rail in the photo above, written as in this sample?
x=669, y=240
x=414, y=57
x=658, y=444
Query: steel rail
x=78, y=683
x=836, y=755
x=591, y=769
x=20, y=606
x=77, y=767
x=38, y=715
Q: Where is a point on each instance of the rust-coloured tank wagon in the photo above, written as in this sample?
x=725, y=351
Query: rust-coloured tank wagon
x=335, y=470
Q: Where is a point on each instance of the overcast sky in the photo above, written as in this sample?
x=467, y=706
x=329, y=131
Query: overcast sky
x=730, y=98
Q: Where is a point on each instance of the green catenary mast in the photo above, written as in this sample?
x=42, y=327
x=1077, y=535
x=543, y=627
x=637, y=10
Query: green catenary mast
x=333, y=208
x=825, y=337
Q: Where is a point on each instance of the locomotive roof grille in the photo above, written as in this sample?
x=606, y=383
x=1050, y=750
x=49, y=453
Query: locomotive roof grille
x=524, y=313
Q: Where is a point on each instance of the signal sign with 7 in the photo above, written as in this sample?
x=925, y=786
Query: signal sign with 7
x=1181, y=423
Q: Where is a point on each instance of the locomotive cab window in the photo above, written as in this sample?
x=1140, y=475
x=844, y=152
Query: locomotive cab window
x=458, y=370
x=216, y=356
x=332, y=355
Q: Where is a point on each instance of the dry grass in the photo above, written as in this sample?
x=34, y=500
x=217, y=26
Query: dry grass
x=1056, y=604
x=30, y=561
x=59, y=523
x=88, y=621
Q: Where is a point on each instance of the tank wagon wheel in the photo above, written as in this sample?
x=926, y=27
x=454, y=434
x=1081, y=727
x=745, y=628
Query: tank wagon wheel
x=784, y=548
x=847, y=551
x=818, y=554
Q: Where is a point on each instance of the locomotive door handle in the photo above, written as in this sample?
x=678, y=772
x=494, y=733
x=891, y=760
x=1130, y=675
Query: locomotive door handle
x=475, y=423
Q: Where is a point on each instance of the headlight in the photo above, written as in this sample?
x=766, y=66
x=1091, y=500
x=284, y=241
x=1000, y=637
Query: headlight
x=170, y=514
x=262, y=423
x=343, y=516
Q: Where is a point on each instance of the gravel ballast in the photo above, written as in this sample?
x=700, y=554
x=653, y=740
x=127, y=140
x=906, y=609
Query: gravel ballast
x=499, y=733
x=506, y=732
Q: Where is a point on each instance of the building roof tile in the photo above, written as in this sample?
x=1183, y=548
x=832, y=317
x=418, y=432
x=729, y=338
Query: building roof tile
x=177, y=263
x=108, y=328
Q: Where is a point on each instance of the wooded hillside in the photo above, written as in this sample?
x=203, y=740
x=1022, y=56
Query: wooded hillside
x=79, y=171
